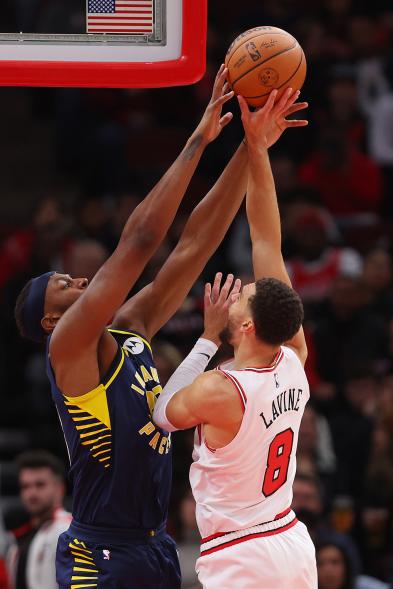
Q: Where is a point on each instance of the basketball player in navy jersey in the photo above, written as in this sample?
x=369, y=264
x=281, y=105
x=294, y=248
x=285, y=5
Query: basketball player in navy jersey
x=104, y=382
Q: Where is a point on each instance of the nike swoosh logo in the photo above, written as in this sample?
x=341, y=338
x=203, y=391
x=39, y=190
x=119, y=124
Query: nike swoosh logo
x=203, y=354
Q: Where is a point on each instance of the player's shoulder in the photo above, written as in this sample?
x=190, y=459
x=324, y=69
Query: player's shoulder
x=131, y=341
x=215, y=386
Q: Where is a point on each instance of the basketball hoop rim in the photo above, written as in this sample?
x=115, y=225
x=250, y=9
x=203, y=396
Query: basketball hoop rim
x=187, y=69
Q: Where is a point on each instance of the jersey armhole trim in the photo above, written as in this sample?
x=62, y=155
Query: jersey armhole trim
x=132, y=333
x=237, y=386
x=90, y=394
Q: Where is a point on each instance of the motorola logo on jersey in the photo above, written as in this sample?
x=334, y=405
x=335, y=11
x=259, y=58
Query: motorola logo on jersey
x=134, y=345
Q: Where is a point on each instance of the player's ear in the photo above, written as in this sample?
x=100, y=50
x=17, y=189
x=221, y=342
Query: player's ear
x=49, y=322
x=247, y=326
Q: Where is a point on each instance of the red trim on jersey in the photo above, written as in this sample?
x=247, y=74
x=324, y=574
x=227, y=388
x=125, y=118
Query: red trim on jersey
x=249, y=537
x=213, y=536
x=271, y=367
x=283, y=513
x=219, y=534
x=238, y=387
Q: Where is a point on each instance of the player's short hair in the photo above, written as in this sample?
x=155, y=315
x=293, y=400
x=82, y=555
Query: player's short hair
x=277, y=311
x=36, y=459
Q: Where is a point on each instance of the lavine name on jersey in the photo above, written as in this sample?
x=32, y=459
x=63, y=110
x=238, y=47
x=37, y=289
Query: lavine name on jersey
x=285, y=401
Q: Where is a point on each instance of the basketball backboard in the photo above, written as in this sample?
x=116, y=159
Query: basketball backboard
x=103, y=43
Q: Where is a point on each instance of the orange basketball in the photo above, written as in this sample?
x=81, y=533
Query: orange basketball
x=263, y=59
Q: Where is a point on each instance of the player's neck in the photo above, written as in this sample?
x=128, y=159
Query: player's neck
x=249, y=354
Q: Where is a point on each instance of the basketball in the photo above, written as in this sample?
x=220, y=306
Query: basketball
x=264, y=59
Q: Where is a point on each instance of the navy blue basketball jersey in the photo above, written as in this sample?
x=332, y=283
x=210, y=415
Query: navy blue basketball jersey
x=121, y=464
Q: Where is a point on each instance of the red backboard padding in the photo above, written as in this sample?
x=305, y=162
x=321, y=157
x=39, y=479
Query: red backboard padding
x=188, y=69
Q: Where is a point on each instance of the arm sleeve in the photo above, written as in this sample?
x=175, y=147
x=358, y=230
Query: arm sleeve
x=191, y=367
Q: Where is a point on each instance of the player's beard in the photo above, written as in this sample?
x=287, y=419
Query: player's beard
x=226, y=336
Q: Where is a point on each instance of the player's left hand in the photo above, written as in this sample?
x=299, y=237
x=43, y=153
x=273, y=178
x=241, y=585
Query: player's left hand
x=212, y=123
x=217, y=301
x=268, y=123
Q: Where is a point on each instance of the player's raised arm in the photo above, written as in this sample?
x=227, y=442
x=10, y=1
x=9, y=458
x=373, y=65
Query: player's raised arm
x=151, y=308
x=191, y=397
x=262, y=208
x=143, y=233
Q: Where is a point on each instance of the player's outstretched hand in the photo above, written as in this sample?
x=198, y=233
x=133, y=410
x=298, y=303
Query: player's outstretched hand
x=266, y=125
x=212, y=122
x=217, y=301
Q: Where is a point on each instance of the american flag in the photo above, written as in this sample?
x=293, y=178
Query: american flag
x=120, y=16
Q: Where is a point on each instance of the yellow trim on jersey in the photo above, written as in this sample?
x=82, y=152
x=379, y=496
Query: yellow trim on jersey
x=116, y=372
x=132, y=334
x=95, y=404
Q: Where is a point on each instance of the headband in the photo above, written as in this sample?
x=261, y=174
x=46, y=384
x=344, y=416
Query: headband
x=33, y=310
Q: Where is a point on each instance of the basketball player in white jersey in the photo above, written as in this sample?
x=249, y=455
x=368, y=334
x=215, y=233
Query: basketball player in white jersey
x=248, y=413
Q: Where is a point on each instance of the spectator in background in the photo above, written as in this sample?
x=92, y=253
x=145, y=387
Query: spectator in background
x=335, y=570
x=315, y=454
x=342, y=329
x=316, y=263
x=381, y=134
x=4, y=544
x=377, y=512
x=44, y=243
x=352, y=429
x=189, y=542
x=377, y=279
x=349, y=182
x=42, y=489
x=85, y=258
x=309, y=505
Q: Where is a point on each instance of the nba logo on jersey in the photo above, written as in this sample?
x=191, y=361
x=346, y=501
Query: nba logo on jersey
x=107, y=554
x=276, y=380
x=134, y=345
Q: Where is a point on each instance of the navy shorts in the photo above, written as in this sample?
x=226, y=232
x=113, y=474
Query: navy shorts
x=139, y=561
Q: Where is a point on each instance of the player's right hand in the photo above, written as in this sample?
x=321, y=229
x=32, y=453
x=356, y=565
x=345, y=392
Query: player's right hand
x=265, y=126
x=212, y=123
x=217, y=301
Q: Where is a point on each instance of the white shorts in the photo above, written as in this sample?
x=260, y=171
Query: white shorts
x=268, y=560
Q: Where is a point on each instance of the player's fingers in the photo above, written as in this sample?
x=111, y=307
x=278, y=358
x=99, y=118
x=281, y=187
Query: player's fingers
x=219, y=83
x=216, y=287
x=237, y=286
x=226, y=88
x=225, y=119
x=269, y=103
x=233, y=295
x=223, y=99
x=226, y=288
x=295, y=108
x=243, y=107
x=293, y=97
x=208, y=292
x=282, y=103
x=296, y=123
x=218, y=74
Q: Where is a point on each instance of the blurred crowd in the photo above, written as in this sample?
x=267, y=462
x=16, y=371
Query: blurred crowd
x=335, y=186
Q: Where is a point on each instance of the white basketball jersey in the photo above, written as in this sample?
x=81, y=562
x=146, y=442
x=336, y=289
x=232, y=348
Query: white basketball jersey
x=249, y=481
